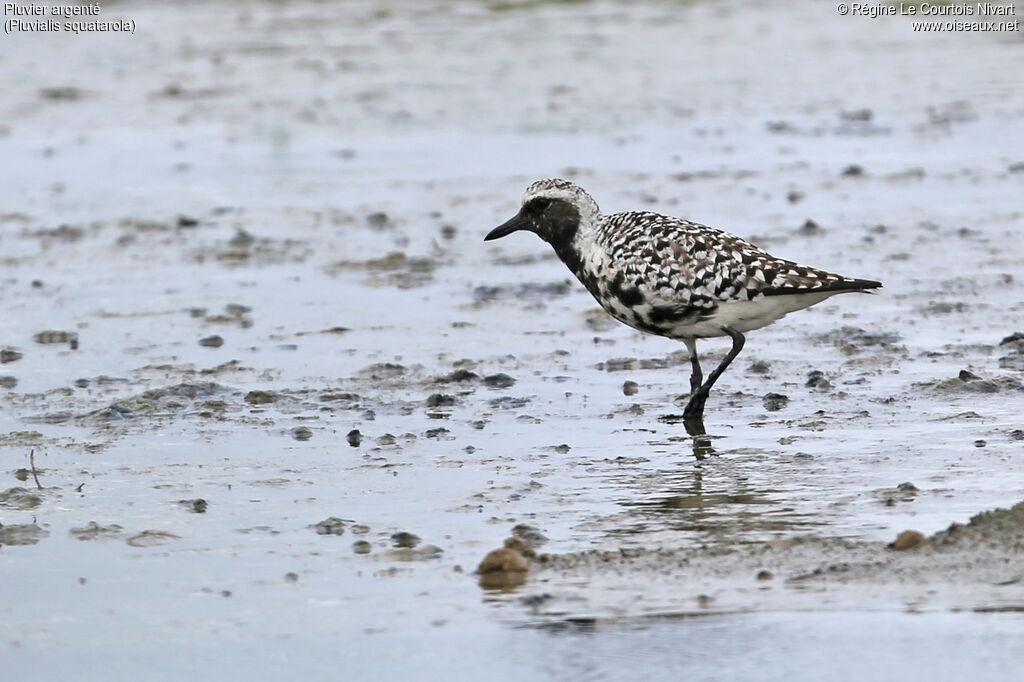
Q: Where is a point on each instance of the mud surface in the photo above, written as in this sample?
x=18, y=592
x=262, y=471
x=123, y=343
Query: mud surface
x=269, y=400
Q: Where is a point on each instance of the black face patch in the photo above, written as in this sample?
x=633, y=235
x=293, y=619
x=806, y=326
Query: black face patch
x=537, y=205
x=556, y=222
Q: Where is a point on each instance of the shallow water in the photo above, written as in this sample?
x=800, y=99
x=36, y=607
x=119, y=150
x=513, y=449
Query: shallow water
x=312, y=186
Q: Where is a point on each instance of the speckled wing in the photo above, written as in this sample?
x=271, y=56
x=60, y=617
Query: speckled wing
x=674, y=261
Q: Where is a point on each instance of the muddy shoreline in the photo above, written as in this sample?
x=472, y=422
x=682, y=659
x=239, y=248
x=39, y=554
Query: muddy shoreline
x=280, y=396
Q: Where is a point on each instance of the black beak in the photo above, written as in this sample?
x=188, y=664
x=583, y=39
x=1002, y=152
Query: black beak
x=518, y=222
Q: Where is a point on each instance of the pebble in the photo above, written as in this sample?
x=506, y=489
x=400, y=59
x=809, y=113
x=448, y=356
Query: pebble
x=908, y=539
x=504, y=560
x=332, y=525
x=301, y=433
x=630, y=388
x=361, y=547
x=214, y=341
x=196, y=506
x=816, y=379
x=498, y=381
x=405, y=539
x=8, y=355
x=354, y=438
x=773, y=402
x=261, y=397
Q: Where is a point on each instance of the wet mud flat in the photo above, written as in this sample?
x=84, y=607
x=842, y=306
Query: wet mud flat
x=262, y=382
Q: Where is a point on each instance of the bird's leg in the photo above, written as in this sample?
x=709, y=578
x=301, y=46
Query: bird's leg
x=695, y=408
x=696, y=376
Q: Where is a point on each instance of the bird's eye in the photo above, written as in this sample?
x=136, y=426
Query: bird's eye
x=539, y=204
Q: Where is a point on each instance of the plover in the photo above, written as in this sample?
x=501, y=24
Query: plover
x=672, y=277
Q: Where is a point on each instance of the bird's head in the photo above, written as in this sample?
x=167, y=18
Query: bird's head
x=553, y=209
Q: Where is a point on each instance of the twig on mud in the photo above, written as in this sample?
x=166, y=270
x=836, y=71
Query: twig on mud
x=32, y=462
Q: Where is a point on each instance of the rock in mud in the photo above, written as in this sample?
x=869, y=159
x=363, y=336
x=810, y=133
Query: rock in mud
x=196, y=506
x=262, y=397
x=214, y=341
x=424, y=553
x=441, y=400
x=301, y=433
x=630, y=388
x=504, y=560
x=361, y=547
x=458, y=376
x=19, y=498
x=8, y=382
x=773, y=402
x=405, y=539
x=9, y=355
x=759, y=367
x=816, y=379
x=500, y=380
x=509, y=403
x=354, y=438
x=54, y=336
x=21, y=534
x=530, y=535
x=332, y=525
x=968, y=382
x=908, y=539
x=94, y=531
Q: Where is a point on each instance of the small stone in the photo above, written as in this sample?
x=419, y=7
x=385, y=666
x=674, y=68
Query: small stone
x=1012, y=338
x=8, y=382
x=404, y=539
x=908, y=539
x=816, y=379
x=332, y=525
x=907, y=487
x=759, y=367
x=529, y=534
x=980, y=443
x=214, y=341
x=261, y=397
x=301, y=433
x=291, y=577
x=773, y=402
x=630, y=388
x=378, y=220
x=501, y=380
x=521, y=546
x=852, y=171
x=354, y=438
x=361, y=547
x=8, y=355
x=967, y=375
x=440, y=400
x=811, y=228
x=53, y=336
x=1017, y=434
x=504, y=560
x=764, y=575
x=196, y=506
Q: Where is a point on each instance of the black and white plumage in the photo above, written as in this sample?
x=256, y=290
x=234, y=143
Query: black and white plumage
x=669, y=276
